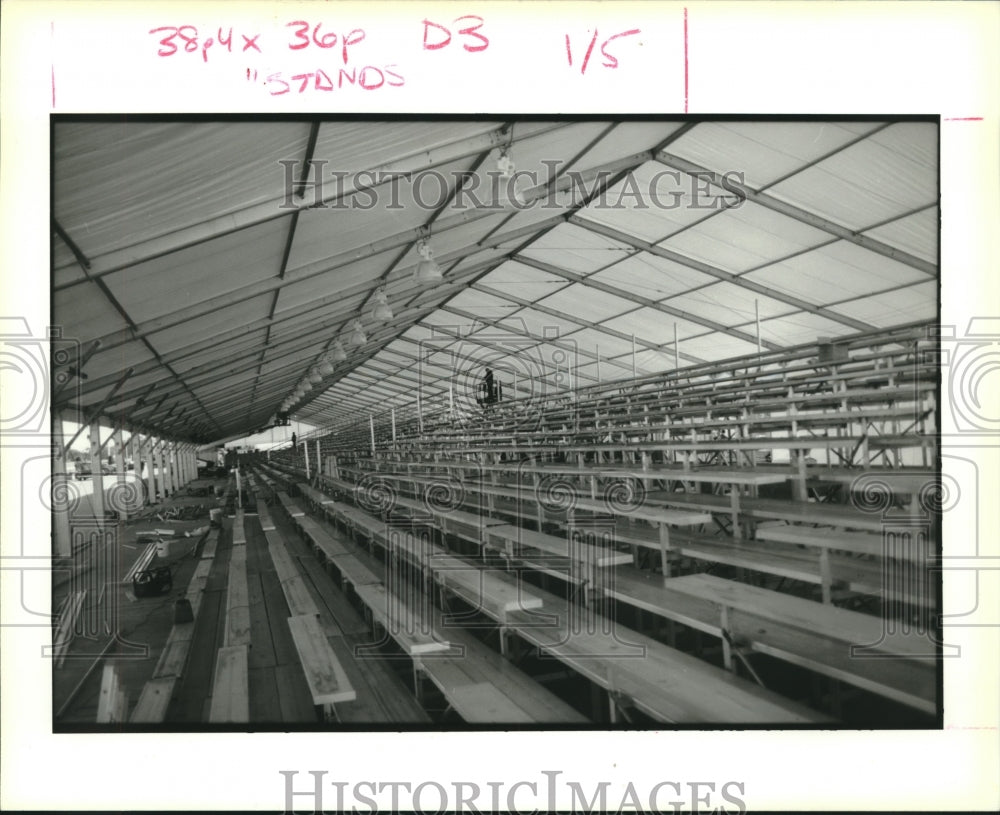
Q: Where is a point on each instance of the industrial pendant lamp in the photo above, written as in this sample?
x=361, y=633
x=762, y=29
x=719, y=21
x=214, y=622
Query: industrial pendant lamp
x=427, y=270
x=323, y=366
x=508, y=192
x=314, y=377
x=305, y=386
x=337, y=351
x=382, y=311
x=357, y=338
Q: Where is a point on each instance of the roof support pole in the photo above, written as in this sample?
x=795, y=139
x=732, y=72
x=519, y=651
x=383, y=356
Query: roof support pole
x=62, y=546
x=150, y=465
x=371, y=427
x=96, y=474
x=305, y=450
x=121, y=476
x=756, y=317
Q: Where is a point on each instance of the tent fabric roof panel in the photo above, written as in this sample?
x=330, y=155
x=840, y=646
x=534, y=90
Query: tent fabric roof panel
x=885, y=176
x=745, y=237
x=765, y=151
x=119, y=183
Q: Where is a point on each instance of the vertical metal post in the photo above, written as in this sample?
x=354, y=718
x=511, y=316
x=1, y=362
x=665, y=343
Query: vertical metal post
x=305, y=448
x=756, y=313
x=451, y=400
x=371, y=427
x=677, y=358
x=319, y=458
x=121, y=476
x=96, y=473
x=598, y=349
x=150, y=464
x=420, y=413
x=394, y=425
x=60, y=509
x=239, y=486
x=633, y=356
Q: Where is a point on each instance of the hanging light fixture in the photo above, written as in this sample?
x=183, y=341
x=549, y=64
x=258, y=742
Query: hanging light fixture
x=357, y=337
x=305, y=386
x=427, y=270
x=508, y=192
x=337, y=351
x=382, y=311
x=314, y=376
x=323, y=366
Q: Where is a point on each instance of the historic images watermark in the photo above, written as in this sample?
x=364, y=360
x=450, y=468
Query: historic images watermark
x=549, y=791
x=431, y=189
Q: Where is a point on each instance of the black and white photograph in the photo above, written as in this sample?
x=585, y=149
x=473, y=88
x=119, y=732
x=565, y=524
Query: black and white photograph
x=496, y=423
x=495, y=406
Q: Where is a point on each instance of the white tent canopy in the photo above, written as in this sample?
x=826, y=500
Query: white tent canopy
x=218, y=261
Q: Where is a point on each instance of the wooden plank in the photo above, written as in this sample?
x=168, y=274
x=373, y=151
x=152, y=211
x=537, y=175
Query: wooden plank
x=175, y=652
x=154, y=700
x=211, y=543
x=237, y=602
x=484, y=588
x=907, y=681
x=239, y=533
x=484, y=703
x=291, y=507
x=862, y=543
x=112, y=704
x=325, y=676
x=231, y=688
x=665, y=683
x=828, y=621
x=264, y=516
x=402, y=621
x=354, y=571
x=300, y=601
x=574, y=549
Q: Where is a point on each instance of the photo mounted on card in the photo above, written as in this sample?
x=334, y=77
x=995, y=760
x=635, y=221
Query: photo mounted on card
x=502, y=422
x=596, y=399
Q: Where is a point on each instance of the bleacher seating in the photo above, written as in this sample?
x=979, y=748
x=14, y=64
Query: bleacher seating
x=802, y=480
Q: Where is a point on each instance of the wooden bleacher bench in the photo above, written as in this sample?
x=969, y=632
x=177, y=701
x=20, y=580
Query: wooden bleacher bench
x=662, y=682
x=324, y=674
x=239, y=535
x=290, y=505
x=157, y=692
x=508, y=537
x=491, y=590
x=404, y=621
x=820, y=637
x=237, y=631
x=231, y=686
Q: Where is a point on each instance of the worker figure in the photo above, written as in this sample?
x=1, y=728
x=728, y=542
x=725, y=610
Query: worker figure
x=488, y=390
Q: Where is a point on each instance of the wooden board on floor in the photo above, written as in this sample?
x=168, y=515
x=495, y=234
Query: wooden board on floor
x=154, y=701
x=325, y=676
x=231, y=687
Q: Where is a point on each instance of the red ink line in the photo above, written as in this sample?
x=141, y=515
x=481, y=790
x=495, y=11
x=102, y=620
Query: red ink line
x=590, y=50
x=569, y=52
x=685, y=60
x=963, y=119
x=52, y=64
